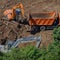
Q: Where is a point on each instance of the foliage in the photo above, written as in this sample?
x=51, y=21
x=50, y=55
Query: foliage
x=32, y=53
x=27, y=53
x=56, y=33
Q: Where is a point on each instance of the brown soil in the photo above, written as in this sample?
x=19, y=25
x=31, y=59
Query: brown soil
x=47, y=38
x=28, y=43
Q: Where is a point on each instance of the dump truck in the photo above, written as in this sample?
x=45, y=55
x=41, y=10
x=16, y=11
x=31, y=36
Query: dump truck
x=43, y=20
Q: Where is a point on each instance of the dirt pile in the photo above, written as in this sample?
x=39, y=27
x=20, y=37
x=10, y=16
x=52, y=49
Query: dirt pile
x=10, y=30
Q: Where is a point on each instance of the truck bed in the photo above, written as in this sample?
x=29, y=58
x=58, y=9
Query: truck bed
x=42, y=15
x=45, y=18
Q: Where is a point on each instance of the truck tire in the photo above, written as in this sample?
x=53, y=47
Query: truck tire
x=42, y=28
x=33, y=29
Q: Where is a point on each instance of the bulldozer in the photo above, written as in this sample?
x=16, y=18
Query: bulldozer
x=15, y=13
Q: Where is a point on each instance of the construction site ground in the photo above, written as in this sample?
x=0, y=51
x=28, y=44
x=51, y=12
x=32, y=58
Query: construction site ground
x=30, y=6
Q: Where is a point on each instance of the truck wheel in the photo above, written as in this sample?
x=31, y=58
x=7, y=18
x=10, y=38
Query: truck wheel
x=42, y=28
x=33, y=29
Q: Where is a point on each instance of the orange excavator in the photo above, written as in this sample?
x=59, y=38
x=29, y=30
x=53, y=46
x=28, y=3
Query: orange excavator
x=15, y=13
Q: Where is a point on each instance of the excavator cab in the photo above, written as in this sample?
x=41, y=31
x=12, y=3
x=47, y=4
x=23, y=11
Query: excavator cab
x=18, y=13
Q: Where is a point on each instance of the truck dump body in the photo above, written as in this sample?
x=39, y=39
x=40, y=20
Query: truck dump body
x=41, y=15
x=46, y=18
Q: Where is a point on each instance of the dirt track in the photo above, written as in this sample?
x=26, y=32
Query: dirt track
x=35, y=6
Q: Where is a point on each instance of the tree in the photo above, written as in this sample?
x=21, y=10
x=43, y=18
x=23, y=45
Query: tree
x=56, y=33
x=53, y=51
x=25, y=53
